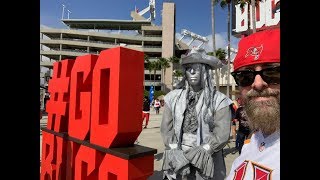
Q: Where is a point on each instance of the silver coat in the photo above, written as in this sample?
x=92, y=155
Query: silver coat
x=215, y=133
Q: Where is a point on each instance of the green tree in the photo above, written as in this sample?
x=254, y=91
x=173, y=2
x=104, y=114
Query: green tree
x=147, y=62
x=158, y=93
x=220, y=54
x=149, y=66
x=164, y=64
x=155, y=65
x=146, y=93
x=175, y=61
x=176, y=66
x=177, y=73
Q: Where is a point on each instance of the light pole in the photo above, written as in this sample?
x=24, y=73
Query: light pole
x=63, y=6
x=69, y=12
x=228, y=75
x=230, y=50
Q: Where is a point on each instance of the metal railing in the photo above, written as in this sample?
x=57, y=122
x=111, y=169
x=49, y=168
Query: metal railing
x=102, y=42
x=148, y=35
x=74, y=50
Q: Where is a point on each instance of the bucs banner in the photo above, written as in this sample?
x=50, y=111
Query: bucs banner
x=266, y=17
x=94, y=118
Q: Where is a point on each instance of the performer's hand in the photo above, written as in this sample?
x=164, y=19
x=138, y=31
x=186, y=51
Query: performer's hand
x=173, y=146
x=201, y=158
x=179, y=160
x=185, y=170
x=207, y=148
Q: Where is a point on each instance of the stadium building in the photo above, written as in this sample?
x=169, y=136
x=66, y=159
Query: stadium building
x=83, y=36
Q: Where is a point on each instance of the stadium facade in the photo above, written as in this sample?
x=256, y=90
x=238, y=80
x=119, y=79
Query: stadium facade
x=84, y=36
x=90, y=36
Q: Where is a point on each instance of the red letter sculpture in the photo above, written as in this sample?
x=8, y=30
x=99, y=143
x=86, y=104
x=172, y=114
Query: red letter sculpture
x=95, y=117
x=80, y=96
x=116, y=103
x=58, y=88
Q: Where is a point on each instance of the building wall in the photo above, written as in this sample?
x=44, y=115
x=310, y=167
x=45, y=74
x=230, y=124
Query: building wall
x=155, y=41
x=168, y=40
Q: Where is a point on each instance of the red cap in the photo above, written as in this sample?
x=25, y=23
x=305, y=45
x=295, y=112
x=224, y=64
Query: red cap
x=260, y=47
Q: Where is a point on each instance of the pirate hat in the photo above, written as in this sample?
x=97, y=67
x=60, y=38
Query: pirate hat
x=198, y=55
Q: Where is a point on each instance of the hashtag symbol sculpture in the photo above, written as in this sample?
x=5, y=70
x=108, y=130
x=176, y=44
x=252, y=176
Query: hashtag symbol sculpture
x=57, y=106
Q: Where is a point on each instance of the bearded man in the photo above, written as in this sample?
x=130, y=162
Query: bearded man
x=257, y=73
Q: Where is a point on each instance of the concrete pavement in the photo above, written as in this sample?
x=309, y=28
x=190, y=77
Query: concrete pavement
x=151, y=137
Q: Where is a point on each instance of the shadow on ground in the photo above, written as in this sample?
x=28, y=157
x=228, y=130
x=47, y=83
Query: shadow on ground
x=152, y=128
x=229, y=150
x=158, y=157
x=157, y=175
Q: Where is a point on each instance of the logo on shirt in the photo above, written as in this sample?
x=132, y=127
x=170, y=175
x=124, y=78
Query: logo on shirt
x=259, y=172
x=240, y=171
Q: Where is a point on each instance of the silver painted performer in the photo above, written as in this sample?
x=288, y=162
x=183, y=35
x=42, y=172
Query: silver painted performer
x=196, y=122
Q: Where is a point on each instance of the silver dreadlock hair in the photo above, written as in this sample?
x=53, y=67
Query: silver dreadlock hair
x=207, y=86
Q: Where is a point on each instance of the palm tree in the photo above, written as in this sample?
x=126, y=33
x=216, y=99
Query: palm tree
x=178, y=73
x=221, y=55
x=164, y=64
x=155, y=65
x=176, y=68
x=147, y=62
x=213, y=3
x=175, y=62
x=223, y=4
x=149, y=66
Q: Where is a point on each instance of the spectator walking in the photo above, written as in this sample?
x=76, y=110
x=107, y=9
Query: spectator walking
x=157, y=105
x=243, y=129
x=233, y=124
x=146, y=111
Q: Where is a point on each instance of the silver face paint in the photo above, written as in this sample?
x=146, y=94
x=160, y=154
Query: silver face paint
x=193, y=74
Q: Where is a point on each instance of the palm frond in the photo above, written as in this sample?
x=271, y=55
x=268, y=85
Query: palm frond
x=223, y=4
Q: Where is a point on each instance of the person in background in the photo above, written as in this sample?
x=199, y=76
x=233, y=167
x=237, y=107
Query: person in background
x=157, y=105
x=243, y=129
x=257, y=73
x=233, y=124
x=40, y=111
x=146, y=111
